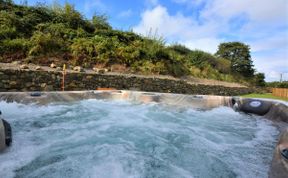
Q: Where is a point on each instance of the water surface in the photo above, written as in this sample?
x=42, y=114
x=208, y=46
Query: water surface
x=94, y=138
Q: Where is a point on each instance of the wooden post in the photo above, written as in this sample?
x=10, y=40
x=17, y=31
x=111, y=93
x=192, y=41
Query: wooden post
x=63, y=78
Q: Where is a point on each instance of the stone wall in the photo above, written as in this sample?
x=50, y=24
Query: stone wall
x=27, y=80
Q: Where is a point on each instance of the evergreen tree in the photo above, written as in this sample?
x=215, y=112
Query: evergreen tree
x=239, y=55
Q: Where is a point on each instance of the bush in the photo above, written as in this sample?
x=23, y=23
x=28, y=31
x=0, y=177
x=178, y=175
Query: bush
x=147, y=67
x=83, y=50
x=100, y=22
x=259, y=80
x=194, y=71
x=201, y=59
x=182, y=50
x=14, y=46
x=177, y=69
x=128, y=54
x=283, y=84
x=45, y=43
x=223, y=65
x=95, y=50
x=7, y=32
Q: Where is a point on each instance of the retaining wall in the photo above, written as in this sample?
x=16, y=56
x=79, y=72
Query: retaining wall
x=26, y=80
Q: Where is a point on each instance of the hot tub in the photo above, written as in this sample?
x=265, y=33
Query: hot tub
x=137, y=134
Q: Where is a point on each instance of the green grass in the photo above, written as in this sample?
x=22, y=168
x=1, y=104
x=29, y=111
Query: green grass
x=266, y=95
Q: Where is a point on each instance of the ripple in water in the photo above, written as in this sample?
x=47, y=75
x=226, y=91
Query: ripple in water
x=94, y=138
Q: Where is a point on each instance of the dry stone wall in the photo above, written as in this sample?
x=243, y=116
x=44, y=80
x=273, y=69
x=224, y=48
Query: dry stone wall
x=26, y=80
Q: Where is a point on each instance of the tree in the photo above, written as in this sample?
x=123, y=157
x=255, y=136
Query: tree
x=239, y=55
x=259, y=80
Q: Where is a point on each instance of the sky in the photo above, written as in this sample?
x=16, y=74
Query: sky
x=203, y=24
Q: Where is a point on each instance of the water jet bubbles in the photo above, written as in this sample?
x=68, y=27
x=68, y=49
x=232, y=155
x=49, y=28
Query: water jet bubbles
x=93, y=138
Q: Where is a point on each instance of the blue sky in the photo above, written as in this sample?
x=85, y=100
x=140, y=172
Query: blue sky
x=203, y=24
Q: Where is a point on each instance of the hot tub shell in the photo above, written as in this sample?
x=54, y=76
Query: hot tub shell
x=2, y=136
x=276, y=111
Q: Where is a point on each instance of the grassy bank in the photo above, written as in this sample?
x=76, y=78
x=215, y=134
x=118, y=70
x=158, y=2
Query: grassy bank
x=266, y=95
x=60, y=34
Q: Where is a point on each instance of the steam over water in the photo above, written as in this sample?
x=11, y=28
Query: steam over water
x=94, y=138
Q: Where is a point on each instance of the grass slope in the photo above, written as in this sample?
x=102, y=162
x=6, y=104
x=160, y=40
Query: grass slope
x=62, y=35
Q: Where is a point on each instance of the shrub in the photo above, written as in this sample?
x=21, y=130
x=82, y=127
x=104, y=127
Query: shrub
x=95, y=50
x=7, y=32
x=201, y=59
x=128, y=54
x=177, y=69
x=14, y=46
x=45, y=43
x=183, y=50
x=100, y=22
x=194, y=71
x=223, y=65
x=259, y=80
x=148, y=67
x=83, y=50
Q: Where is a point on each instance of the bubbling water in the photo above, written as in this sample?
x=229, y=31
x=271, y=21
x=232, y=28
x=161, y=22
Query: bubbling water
x=94, y=138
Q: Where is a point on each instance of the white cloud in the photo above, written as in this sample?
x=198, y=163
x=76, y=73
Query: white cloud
x=257, y=10
x=175, y=28
x=264, y=28
x=159, y=20
x=272, y=64
x=275, y=42
x=206, y=44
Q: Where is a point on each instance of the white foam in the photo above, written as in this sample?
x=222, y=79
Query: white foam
x=93, y=138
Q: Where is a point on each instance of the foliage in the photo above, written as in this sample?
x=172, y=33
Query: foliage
x=45, y=43
x=100, y=22
x=61, y=32
x=259, y=80
x=7, y=32
x=200, y=59
x=183, y=50
x=147, y=67
x=13, y=46
x=283, y=84
x=239, y=55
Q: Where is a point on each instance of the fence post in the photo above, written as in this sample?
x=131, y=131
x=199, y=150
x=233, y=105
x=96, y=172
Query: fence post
x=63, y=78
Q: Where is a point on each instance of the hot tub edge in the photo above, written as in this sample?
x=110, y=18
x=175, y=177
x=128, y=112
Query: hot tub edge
x=2, y=136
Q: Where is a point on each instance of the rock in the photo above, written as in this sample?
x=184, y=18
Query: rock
x=78, y=69
x=89, y=77
x=99, y=71
x=43, y=85
x=28, y=84
x=24, y=66
x=106, y=70
x=58, y=69
x=52, y=65
x=95, y=69
x=13, y=83
x=16, y=62
x=38, y=68
x=49, y=88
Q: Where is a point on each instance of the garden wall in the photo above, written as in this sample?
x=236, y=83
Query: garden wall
x=27, y=80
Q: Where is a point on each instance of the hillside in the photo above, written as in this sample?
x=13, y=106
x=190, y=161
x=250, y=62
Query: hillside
x=62, y=35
